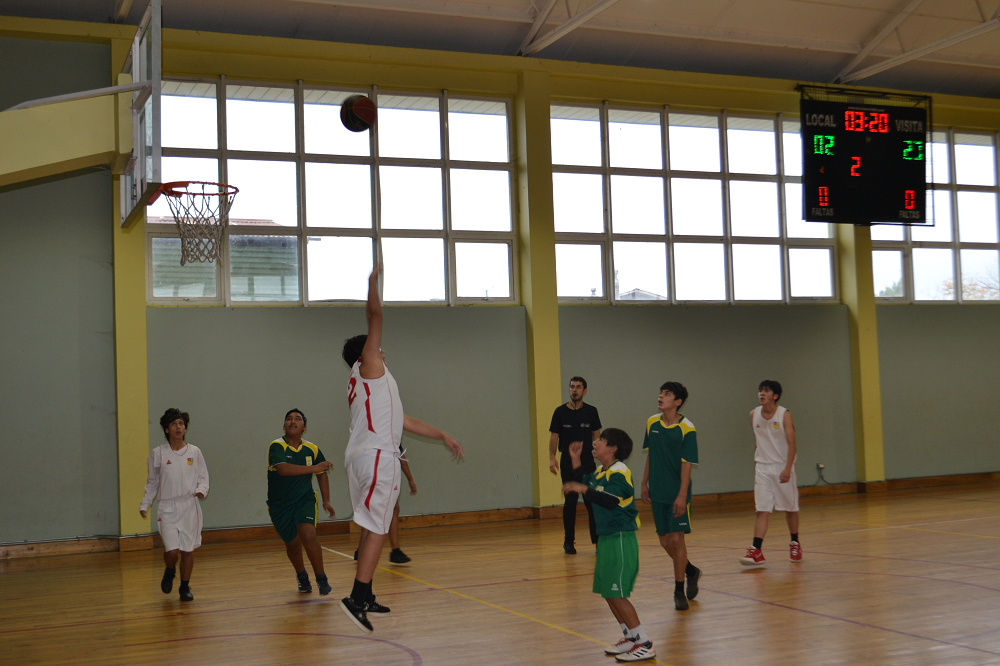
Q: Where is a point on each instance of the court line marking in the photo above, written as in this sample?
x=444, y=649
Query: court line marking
x=491, y=605
x=919, y=529
x=896, y=527
x=840, y=619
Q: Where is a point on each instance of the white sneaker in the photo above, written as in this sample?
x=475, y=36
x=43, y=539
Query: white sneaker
x=621, y=647
x=639, y=652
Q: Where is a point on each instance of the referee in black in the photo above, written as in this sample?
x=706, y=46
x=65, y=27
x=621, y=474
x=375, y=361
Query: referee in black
x=575, y=421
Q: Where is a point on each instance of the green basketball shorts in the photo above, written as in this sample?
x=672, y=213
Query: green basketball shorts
x=617, y=565
x=286, y=518
x=666, y=521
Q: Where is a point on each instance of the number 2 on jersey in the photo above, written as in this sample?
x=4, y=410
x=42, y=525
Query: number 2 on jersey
x=352, y=393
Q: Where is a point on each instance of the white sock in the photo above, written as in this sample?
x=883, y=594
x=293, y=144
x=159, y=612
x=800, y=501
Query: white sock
x=625, y=629
x=639, y=634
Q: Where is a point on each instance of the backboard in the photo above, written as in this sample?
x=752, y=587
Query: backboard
x=142, y=174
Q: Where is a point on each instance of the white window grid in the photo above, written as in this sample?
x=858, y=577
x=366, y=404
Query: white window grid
x=302, y=231
x=907, y=245
x=607, y=238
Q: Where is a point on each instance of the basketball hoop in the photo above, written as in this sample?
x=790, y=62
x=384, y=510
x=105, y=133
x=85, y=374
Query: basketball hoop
x=201, y=211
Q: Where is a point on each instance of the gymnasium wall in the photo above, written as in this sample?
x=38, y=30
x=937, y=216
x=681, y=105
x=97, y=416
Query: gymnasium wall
x=940, y=392
x=33, y=69
x=238, y=370
x=720, y=354
x=57, y=398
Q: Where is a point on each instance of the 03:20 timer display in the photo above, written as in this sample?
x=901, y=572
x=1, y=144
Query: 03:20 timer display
x=863, y=164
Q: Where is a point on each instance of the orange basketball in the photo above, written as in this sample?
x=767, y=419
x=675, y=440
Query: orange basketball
x=358, y=113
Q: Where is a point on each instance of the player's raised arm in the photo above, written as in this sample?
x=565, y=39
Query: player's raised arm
x=371, y=356
x=418, y=427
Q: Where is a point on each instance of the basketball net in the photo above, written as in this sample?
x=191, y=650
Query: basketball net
x=201, y=211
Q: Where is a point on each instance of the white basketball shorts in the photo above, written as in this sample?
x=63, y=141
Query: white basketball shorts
x=769, y=494
x=373, y=477
x=180, y=522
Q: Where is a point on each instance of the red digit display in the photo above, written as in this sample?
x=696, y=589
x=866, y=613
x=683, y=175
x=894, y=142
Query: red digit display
x=909, y=199
x=824, y=196
x=859, y=121
x=856, y=166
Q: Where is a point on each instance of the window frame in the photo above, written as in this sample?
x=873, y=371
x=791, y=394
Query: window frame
x=607, y=238
x=907, y=245
x=302, y=231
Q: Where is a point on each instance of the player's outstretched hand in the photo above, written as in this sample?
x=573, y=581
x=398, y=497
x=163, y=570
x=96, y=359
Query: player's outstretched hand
x=456, y=449
x=573, y=487
x=645, y=494
x=329, y=509
x=324, y=466
x=575, y=451
x=553, y=465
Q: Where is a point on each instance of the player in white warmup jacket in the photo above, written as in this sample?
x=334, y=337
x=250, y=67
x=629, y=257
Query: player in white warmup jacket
x=373, y=452
x=177, y=472
x=775, y=487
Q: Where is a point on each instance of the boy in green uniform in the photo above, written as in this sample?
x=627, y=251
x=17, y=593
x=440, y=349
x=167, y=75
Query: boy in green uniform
x=291, y=500
x=666, y=484
x=612, y=495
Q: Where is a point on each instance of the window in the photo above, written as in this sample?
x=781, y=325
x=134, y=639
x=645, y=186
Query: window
x=914, y=264
x=658, y=206
x=428, y=190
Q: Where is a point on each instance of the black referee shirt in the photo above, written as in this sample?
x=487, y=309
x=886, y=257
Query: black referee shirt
x=576, y=425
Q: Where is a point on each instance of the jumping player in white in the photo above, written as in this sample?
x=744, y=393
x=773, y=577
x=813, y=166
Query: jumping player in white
x=373, y=452
x=774, y=485
x=177, y=472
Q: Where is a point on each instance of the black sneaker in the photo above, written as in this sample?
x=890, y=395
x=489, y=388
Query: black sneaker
x=167, y=583
x=692, y=590
x=569, y=549
x=356, y=613
x=355, y=556
x=305, y=586
x=324, y=584
x=680, y=601
x=397, y=556
x=375, y=607
x=186, y=593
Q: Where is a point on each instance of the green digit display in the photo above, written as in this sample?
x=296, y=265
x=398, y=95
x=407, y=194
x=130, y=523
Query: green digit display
x=913, y=150
x=822, y=144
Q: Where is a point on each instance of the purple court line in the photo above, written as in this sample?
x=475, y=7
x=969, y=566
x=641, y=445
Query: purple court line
x=803, y=572
x=286, y=603
x=839, y=619
x=417, y=660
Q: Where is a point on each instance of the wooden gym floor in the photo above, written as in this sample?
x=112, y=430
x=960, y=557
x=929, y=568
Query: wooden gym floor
x=911, y=577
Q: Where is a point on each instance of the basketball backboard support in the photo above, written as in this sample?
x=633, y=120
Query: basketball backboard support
x=142, y=177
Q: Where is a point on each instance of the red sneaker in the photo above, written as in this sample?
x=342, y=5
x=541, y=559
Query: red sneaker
x=753, y=558
x=795, y=552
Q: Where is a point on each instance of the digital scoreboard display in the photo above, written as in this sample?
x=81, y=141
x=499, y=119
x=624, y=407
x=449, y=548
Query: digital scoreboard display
x=864, y=161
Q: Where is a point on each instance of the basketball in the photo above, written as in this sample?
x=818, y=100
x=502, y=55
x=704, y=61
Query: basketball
x=358, y=113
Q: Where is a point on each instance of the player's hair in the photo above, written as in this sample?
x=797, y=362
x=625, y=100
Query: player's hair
x=620, y=440
x=353, y=348
x=677, y=389
x=296, y=410
x=773, y=385
x=170, y=416
x=578, y=379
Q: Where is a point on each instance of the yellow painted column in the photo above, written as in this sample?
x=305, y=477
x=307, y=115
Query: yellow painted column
x=130, y=354
x=857, y=291
x=537, y=266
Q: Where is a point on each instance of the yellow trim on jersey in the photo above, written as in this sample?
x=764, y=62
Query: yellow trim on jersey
x=618, y=467
x=285, y=446
x=685, y=425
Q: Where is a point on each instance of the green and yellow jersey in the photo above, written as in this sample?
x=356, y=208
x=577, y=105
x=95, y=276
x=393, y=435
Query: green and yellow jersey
x=669, y=447
x=615, y=483
x=287, y=490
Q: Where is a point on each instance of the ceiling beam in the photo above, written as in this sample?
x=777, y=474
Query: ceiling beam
x=122, y=8
x=974, y=31
x=886, y=30
x=567, y=27
x=540, y=19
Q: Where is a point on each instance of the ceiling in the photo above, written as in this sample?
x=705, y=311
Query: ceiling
x=804, y=40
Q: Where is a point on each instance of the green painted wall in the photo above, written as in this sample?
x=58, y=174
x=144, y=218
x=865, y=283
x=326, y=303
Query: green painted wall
x=33, y=69
x=940, y=370
x=238, y=370
x=57, y=397
x=720, y=354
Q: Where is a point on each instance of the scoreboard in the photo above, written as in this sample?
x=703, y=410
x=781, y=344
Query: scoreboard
x=864, y=158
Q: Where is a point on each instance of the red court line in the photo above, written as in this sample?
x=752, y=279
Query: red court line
x=839, y=619
x=870, y=557
x=414, y=655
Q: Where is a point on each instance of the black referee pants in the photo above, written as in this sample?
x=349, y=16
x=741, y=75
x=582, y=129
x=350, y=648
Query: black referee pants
x=572, y=499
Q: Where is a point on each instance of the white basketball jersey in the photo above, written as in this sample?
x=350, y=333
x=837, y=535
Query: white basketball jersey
x=772, y=444
x=376, y=413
